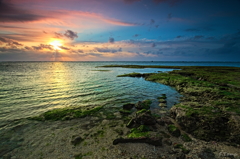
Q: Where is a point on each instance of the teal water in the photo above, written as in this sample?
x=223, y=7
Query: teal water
x=31, y=88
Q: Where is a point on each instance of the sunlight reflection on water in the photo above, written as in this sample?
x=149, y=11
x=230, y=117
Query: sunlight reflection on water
x=31, y=88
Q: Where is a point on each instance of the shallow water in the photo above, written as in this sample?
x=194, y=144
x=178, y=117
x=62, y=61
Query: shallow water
x=31, y=88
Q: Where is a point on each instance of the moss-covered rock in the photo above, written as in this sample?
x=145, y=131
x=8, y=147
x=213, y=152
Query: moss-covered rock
x=201, y=124
x=173, y=130
x=143, y=111
x=186, y=138
x=210, y=106
x=143, y=104
x=180, y=146
x=125, y=112
x=67, y=113
x=131, y=123
x=137, y=133
x=143, y=128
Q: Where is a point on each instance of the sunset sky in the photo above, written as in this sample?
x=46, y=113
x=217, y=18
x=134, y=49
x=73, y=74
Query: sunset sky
x=119, y=30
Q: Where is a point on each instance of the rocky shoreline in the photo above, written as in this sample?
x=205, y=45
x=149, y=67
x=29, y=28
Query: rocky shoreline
x=204, y=125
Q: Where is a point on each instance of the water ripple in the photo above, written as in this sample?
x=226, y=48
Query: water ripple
x=31, y=88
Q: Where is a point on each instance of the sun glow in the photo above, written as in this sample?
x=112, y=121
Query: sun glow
x=56, y=44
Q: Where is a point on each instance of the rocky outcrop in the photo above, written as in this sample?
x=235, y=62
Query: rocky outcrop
x=143, y=104
x=208, y=126
x=234, y=128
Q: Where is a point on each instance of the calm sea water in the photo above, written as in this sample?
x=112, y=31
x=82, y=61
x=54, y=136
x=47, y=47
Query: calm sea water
x=31, y=88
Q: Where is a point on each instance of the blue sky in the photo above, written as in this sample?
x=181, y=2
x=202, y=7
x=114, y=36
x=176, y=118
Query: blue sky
x=129, y=30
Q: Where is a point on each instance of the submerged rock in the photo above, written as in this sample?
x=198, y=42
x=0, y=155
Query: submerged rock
x=125, y=111
x=163, y=105
x=128, y=106
x=143, y=104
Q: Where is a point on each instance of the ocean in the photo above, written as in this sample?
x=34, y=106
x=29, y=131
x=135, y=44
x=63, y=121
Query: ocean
x=30, y=88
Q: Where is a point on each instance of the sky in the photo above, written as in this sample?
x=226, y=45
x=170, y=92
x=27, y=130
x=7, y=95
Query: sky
x=119, y=30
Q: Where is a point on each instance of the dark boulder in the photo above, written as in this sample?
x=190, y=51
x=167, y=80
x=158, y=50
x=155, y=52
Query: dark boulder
x=128, y=106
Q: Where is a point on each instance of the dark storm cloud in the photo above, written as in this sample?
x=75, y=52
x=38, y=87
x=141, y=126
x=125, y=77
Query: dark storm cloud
x=131, y=1
x=111, y=40
x=231, y=37
x=231, y=45
x=10, y=13
x=227, y=49
x=170, y=2
x=43, y=46
x=70, y=34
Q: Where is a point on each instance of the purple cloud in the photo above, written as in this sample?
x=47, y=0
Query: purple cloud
x=70, y=34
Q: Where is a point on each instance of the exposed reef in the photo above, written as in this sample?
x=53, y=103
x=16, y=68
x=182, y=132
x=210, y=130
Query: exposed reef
x=205, y=124
x=210, y=107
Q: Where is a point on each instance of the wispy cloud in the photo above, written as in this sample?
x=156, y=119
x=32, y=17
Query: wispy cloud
x=11, y=13
x=121, y=23
x=42, y=47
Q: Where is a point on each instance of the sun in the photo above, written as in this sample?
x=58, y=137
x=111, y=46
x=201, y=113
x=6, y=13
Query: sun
x=56, y=44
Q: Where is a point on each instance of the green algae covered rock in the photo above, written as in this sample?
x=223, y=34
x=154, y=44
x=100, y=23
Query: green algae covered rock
x=66, y=113
x=173, y=130
x=143, y=104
